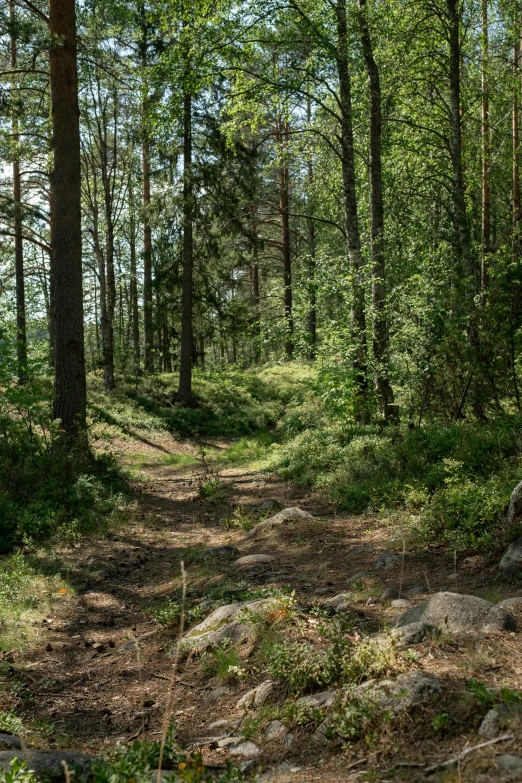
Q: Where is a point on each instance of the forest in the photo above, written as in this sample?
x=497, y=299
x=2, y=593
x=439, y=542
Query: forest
x=260, y=390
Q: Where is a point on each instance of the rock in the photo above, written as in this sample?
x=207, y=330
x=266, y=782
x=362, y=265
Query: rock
x=268, y=504
x=400, y=603
x=245, y=749
x=280, y=518
x=416, y=590
x=219, y=551
x=402, y=693
x=47, y=764
x=226, y=623
x=390, y=594
x=513, y=553
x=257, y=696
x=407, y=635
x=499, y=718
x=357, y=576
x=457, y=613
x=514, y=511
x=229, y=742
x=317, y=700
x=386, y=560
x=511, y=569
x=339, y=602
x=276, y=730
x=515, y=602
x=510, y=763
x=289, y=740
x=451, y=577
x=372, y=601
x=252, y=560
x=9, y=742
x=219, y=724
x=216, y=694
x=359, y=551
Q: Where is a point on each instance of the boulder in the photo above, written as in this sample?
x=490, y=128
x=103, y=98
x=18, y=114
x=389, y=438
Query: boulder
x=339, y=602
x=407, y=635
x=248, y=749
x=416, y=590
x=47, y=764
x=224, y=551
x=268, y=504
x=511, y=569
x=317, y=700
x=215, y=694
x=400, y=603
x=514, y=511
x=500, y=718
x=357, y=576
x=276, y=730
x=9, y=742
x=286, y=515
x=458, y=613
x=511, y=764
x=402, y=693
x=257, y=696
x=225, y=624
x=390, y=594
x=229, y=742
x=253, y=560
x=513, y=603
x=386, y=560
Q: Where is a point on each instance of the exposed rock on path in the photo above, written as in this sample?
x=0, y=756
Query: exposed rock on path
x=227, y=623
x=458, y=613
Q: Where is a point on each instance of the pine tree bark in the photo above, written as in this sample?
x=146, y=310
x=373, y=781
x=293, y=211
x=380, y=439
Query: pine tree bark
x=185, y=363
x=311, y=318
x=255, y=292
x=380, y=336
x=134, y=309
x=69, y=383
x=516, y=204
x=486, y=154
x=21, y=334
x=282, y=137
x=353, y=238
x=148, y=323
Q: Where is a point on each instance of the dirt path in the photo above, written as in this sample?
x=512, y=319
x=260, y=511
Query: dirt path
x=103, y=668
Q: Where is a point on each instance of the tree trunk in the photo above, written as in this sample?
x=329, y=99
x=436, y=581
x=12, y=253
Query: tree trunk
x=69, y=382
x=134, y=311
x=148, y=327
x=282, y=137
x=486, y=154
x=358, y=313
x=185, y=362
x=380, y=337
x=21, y=335
x=516, y=213
x=311, y=318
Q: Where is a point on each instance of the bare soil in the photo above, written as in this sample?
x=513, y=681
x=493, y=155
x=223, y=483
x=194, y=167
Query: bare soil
x=102, y=668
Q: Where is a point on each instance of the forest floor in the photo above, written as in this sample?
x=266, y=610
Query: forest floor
x=99, y=668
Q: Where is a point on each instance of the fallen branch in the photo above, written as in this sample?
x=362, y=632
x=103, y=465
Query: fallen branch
x=461, y=756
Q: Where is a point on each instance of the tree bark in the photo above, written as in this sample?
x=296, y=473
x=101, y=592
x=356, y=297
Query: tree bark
x=358, y=310
x=254, y=288
x=516, y=205
x=185, y=362
x=69, y=382
x=282, y=137
x=148, y=325
x=486, y=154
x=380, y=336
x=311, y=318
x=135, y=316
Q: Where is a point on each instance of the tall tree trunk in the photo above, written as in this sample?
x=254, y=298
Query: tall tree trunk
x=21, y=335
x=516, y=205
x=282, y=136
x=311, y=318
x=69, y=381
x=185, y=362
x=486, y=154
x=148, y=327
x=50, y=318
x=358, y=314
x=134, y=311
x=460, y=219
x=254, y=288
x=380, y=337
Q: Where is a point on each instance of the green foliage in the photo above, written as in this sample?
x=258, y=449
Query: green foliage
x=18, y=773
x=168, y=613
x=239, y=520
x=351, y=717
x=488, y=697
x=224, y=663
x=440, y=722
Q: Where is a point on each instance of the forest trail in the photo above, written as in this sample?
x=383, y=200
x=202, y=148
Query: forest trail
x=102, y=668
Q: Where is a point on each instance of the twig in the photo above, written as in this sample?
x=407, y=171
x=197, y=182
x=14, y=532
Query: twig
x=161, y=677
x=461, y=756
x=402, y=566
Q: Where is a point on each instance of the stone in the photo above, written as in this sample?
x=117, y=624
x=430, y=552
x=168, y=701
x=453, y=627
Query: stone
x=362, y=550
x=510, y=763
x=286, y=515
x=372, y=601
x=216, y=694
x=513, y=553
x=317, y=700
x=452, y=577
x=458, y=613
x=268, y=504
x=408, y=635
x=218, y=724
x=514, y=511
x=229, y=742
x=248, y=749
x=511, y=569
x=416, y=590
x=400, y=603
x=403, y=692
x=257, y=696
x=252, y=560
x=339, y=602
x=219, y=551
x=386, y=560
x=357, y=576
x=390, y=594
x=276, y=730
x=499, y=718
x=9, y=742
x=226, y=623
x=47, y=764
x=515, y=602
x=289, y=740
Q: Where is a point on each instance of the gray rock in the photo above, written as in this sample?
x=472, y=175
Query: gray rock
x=513, y=553
x=416, y=590
x=390, y=594
x=402, y=693
x=47, y=764
x=229, y=742
x=248, y=749
x=219, y=724
x=499, y=718
x=514, y=511
x=257, y=696
x=400, y=603
x=515, y=602
x=219, y=551
x=286, y=515
x=453, y=577
x=357, y=576
x=216, y=694
x=252, y=560
x=458, y=613
x=386, y=560
x=372, y=601
x=289, y=740
x=9, y=742
x=276, y=730
x=227, y=623
x=317, y=700
x=407, y=635
x=339, y=602
x=268, y=504
x=511, y=569
x=510, y=763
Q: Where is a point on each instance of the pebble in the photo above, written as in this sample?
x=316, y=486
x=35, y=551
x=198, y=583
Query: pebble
x=216, y=694
x=249, y=560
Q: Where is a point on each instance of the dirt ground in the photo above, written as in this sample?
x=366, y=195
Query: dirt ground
x=102, y=669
